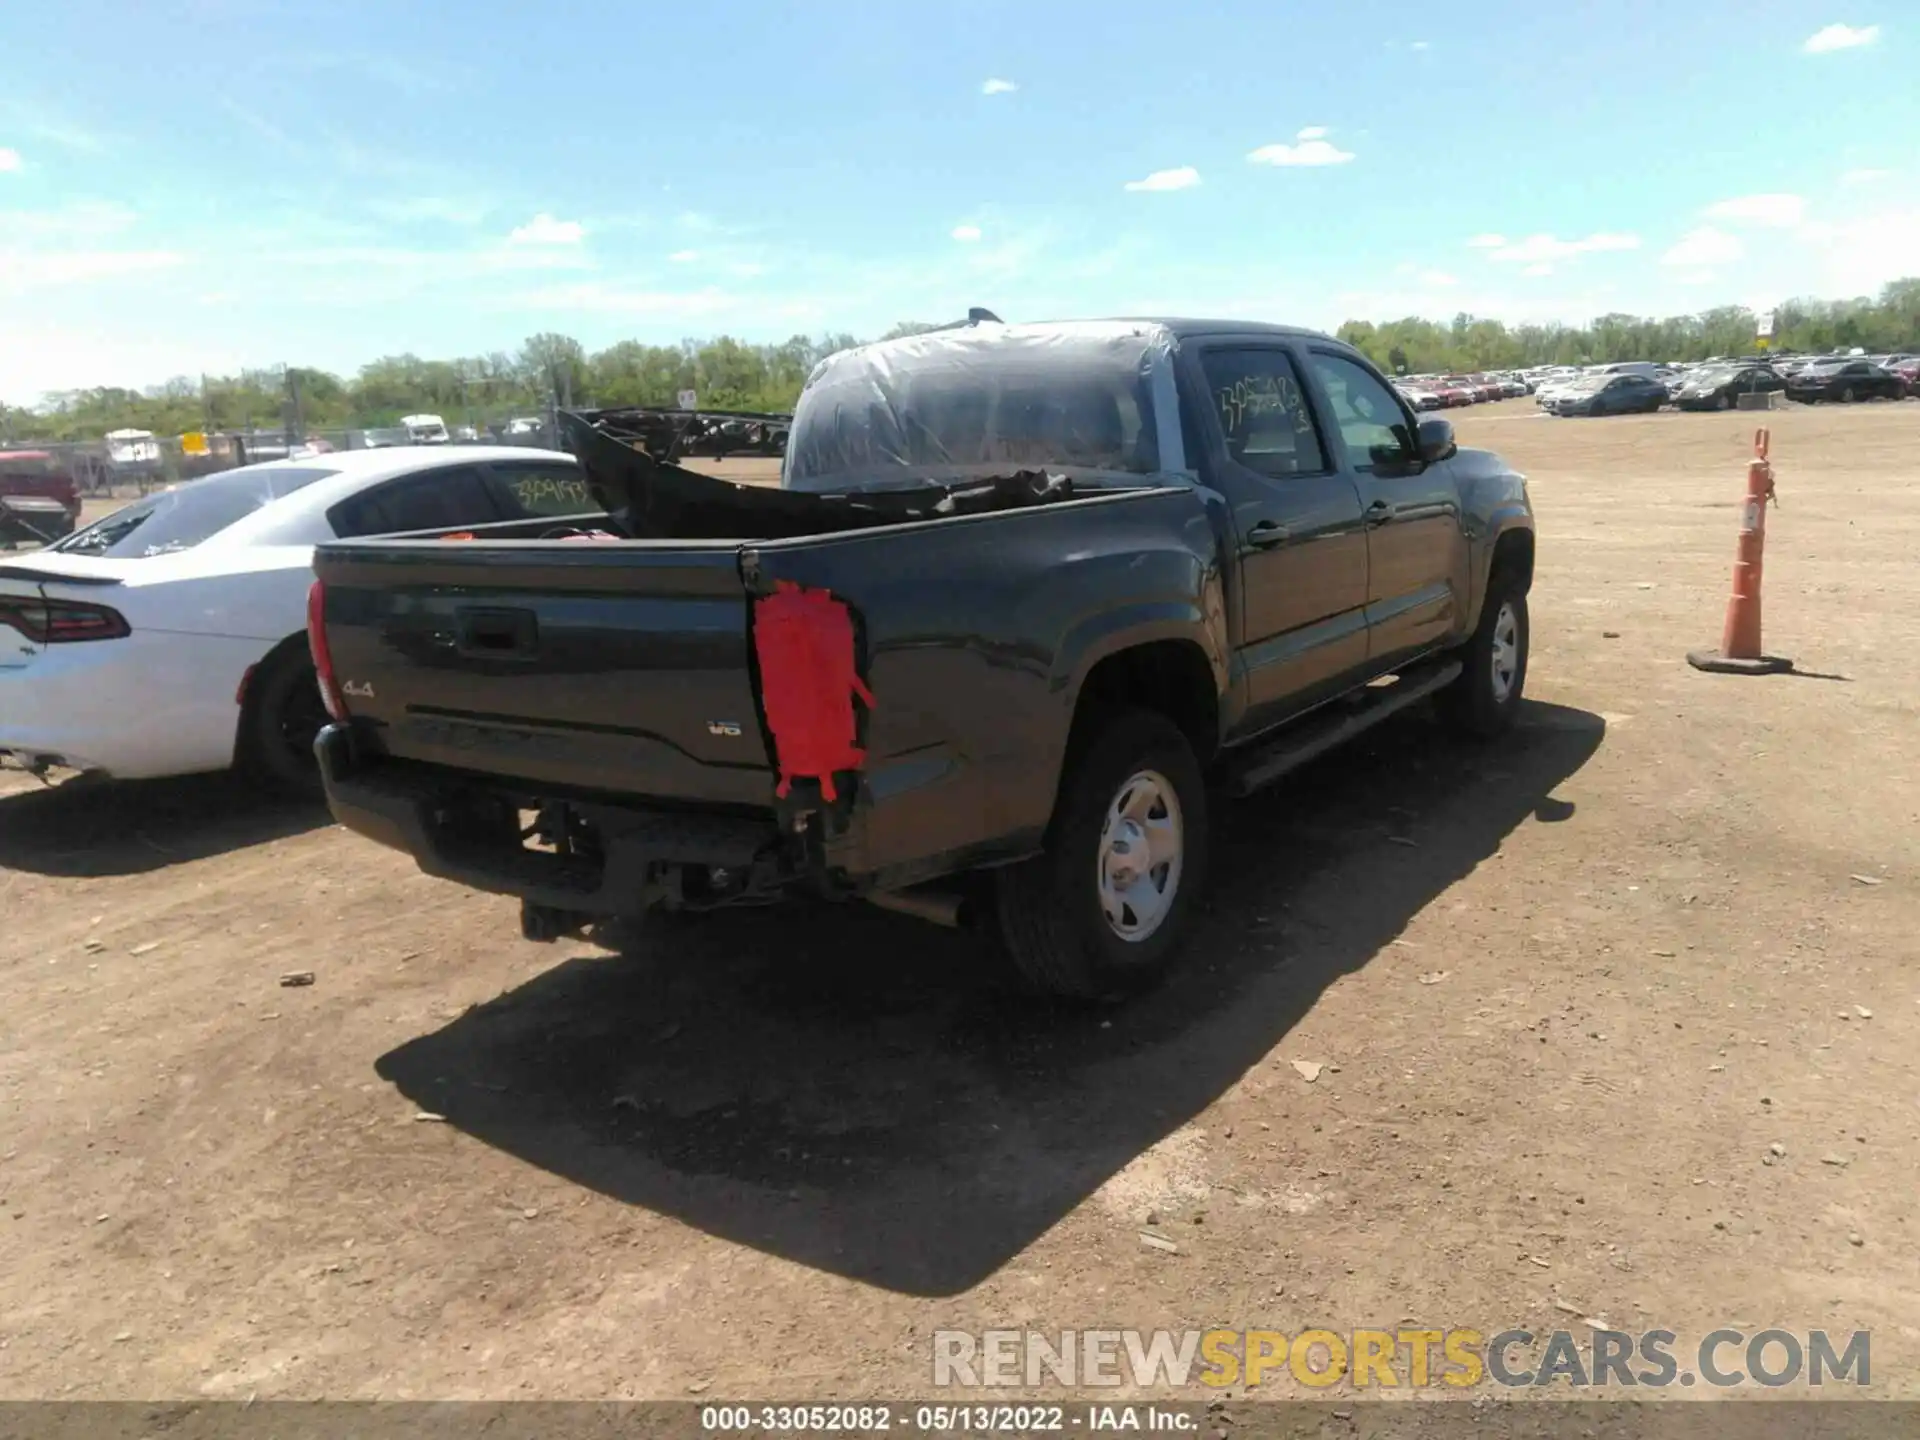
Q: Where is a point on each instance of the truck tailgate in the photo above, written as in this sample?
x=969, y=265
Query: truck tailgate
x=570, y=665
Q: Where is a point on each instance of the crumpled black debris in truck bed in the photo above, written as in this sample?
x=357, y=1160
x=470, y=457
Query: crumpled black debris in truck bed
x=652, y=499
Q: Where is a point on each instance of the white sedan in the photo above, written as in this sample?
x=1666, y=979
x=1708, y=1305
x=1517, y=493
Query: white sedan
x=169, y=637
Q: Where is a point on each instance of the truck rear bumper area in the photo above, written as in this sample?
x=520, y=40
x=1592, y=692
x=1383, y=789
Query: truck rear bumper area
x=468, y=830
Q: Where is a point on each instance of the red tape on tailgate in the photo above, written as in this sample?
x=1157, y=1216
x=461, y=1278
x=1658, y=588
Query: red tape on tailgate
x=808, y=680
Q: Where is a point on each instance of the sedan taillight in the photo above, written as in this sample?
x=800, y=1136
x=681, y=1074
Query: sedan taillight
x=61, y=622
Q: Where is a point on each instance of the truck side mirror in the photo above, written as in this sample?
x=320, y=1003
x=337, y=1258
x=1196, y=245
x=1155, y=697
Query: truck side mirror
x=1436, y=441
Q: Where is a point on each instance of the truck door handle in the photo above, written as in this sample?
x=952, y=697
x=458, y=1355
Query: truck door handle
x=1268, y=534
x=1378, y=514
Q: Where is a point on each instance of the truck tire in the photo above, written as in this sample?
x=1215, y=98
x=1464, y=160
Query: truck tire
x=1102, y=914
x=1486, y=697
x=283, y=714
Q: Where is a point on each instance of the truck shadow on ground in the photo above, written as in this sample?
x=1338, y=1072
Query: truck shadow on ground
x=85, y=828
x=854, y=1091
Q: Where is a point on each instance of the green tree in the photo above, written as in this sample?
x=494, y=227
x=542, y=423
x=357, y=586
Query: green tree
x=556, y=365
x=731, y=373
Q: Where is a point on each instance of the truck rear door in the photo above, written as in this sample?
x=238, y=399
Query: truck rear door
x=1297, y=528
x=589, y=666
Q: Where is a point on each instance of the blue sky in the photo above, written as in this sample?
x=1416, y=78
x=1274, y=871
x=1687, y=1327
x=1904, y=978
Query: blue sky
x=201, y=184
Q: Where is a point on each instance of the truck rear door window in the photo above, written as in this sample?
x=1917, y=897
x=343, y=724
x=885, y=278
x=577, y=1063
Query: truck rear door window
x=1263, y=412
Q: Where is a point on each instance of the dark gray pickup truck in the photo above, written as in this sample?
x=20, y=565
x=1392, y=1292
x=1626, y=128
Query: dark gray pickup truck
x=1026, y=597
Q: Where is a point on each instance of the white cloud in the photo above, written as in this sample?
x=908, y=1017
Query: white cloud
x=1419, y=45
x=1536, y=248
x=23, y=270
x=1184, y=178
x=1488, y=241
x=966, y=234
x=998, y=87
x=616, y=299
x=1704, y=247
x=543, y=229
x=1542, y=268
x=1781, y=212
x=84, y=220
x=1865, y=177
x=1438, y=277
x=9, y=160
x=1863, y=254
x=56, y=132
x=681, y=257
x=37, y=362
x=415, y=266
x=1313, y=149
x=442, y=209
x=1840, y=37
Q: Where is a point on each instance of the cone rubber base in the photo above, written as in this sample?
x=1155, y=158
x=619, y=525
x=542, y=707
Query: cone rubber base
x=1725, y=665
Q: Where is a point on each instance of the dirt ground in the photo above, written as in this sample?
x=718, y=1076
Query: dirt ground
x=1567, y=994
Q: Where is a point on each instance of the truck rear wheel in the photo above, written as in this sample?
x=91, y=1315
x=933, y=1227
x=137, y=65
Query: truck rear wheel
x=1103, y=913
x=1486, y=697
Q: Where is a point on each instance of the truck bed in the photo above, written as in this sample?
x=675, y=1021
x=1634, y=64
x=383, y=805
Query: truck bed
x=624, y=672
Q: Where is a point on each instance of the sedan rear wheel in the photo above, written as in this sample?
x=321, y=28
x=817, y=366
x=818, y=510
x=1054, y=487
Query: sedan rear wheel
x=1846, y=395
x=283, y=715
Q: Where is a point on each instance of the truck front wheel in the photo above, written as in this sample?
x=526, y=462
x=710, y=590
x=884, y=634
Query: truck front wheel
x=1102, y=914
x=1486, y=697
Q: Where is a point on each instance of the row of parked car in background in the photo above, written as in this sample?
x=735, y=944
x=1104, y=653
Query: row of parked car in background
x=1640, y=387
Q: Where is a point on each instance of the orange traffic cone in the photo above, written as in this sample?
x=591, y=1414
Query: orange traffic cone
x=1740, y=652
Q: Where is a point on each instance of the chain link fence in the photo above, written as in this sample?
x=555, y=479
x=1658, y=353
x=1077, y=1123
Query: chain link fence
x=132, y=464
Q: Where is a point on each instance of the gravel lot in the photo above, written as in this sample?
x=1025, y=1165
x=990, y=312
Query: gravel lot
x=1566, y=994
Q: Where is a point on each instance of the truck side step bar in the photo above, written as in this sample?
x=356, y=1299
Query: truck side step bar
x=1335, y=725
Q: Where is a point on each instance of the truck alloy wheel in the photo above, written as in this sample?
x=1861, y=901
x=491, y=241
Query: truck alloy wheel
x=1506, y=652
x=1103, y=912
x=1482, y=702
x=1142, y=850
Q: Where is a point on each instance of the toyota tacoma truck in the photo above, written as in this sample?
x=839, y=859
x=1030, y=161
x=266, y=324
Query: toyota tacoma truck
x=1026, y=600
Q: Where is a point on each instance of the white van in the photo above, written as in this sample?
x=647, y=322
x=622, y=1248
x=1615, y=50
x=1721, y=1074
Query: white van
x=132, y=449
x=426, y=429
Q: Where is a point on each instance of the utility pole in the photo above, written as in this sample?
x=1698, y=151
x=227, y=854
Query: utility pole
x=295, y=430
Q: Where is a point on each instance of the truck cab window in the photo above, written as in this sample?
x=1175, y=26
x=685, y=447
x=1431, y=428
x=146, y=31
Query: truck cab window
x=1371, y=421
x=1262, y=412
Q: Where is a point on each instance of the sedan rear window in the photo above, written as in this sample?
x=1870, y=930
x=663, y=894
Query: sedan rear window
x=187, y=514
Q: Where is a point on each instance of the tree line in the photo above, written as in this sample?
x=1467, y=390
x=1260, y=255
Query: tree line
x=729, y=374
x=1890, y=321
